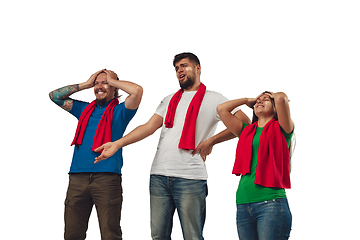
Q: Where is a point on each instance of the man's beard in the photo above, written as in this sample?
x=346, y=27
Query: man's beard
x=190, y=81
x=100, y=101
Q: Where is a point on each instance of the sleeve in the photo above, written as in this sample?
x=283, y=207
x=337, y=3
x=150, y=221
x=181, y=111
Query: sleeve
x=221, y=99
x=244, y=126
x=287, y=136
x=224, y=99
x=77, y=108
x=161, y=109
x=123, y=114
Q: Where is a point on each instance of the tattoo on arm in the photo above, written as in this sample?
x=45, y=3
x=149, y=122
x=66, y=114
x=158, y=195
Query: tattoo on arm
x=61, y=96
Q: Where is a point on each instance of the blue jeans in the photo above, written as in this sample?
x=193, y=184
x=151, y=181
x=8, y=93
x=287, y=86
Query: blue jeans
x=268, y=220
x=185, y=195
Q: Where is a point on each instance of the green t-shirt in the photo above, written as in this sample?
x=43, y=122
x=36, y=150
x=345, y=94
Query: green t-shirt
x=248, y=191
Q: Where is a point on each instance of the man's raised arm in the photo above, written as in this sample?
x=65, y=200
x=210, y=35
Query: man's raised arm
x=135, y=91
x=61, y=96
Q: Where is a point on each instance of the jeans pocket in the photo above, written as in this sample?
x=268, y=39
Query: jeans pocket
x=115, y=201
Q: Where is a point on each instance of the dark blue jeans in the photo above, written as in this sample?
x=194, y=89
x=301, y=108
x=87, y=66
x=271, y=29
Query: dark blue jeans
x=268, y=220
x=185, y=195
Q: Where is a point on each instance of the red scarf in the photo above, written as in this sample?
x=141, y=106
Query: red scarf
x=187, y=140
x=103, y=130
x=273, y=165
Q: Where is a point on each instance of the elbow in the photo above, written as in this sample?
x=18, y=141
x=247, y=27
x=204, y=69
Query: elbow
x=134, y=99
x=139, y=91
x=51, y=96
x=223, y=111
x=281, y=98
x=219, y=110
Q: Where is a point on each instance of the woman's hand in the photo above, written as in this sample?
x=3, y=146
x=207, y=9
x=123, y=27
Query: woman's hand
x=251, y=102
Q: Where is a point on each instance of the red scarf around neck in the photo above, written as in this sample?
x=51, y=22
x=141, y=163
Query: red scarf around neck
x=103, y=130
x=187, y=140
x=273, y=165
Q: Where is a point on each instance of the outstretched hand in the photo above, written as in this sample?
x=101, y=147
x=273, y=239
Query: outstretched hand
x=108, y=149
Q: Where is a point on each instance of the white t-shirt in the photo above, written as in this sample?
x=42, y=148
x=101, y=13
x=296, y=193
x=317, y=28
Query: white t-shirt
x=169, y=159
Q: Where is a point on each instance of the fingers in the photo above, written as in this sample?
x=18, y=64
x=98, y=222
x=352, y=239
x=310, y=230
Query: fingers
x=251, y=102
x=99, y=149
x=203, y=156
x=97, y=73
x=195, y=151
x=91, y=80
x=102, y=70
x=270, y=94
x=111, y=74
x=259, y=96
x=99, y=158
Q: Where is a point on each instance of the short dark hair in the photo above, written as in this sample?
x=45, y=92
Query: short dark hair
x=192, y=57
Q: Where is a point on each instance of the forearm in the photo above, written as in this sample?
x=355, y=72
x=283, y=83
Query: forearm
x=224, y=110
x=134, y=136
x=231, y=105
x=227, y=134
x=234, y=123
x=126, y=86
x=134, y=90
x=283, y=111
x=221, y=137
x=61, y=96
x=280, y=98
x=140, y=132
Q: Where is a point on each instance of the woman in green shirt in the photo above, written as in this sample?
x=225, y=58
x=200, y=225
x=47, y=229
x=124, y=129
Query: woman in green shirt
x=263, y=160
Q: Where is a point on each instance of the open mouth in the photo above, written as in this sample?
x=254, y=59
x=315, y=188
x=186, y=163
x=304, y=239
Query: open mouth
x=100, y=93
x=182, y=77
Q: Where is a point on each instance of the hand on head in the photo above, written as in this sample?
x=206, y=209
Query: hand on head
x=252, y=101
x=111, y=75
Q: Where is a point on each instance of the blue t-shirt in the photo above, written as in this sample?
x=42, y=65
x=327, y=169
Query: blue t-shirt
x=84, y=157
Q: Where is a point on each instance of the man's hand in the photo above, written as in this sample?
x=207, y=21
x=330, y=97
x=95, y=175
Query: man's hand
x=108, y=149
x=91, y=81
x=204, y=148
x=110, y=75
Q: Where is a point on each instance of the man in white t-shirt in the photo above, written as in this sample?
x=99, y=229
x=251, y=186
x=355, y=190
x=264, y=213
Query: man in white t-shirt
x=178, y=174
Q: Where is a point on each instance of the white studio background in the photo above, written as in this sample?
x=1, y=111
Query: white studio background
x=307, y=49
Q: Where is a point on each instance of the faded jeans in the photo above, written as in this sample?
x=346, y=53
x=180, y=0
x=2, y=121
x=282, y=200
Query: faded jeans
x=185, y=195
x=267, y=220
